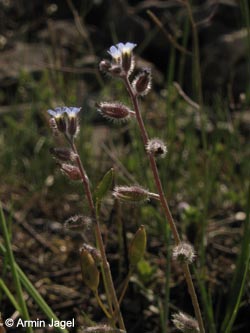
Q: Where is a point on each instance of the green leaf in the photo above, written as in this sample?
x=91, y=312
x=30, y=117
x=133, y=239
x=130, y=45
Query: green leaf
x=104, y=186
x=138, y=246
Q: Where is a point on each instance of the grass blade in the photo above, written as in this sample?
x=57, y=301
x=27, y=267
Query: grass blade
x=31, y=291
x=35, y=294
x=9, y=294
x=239, y=279
x=21, y=302
x=38, y=299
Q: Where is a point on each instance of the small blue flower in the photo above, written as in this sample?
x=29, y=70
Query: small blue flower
x=126, y=48
x=72, y=111
x=122, y=59
x=115, y=53
x=57, y=113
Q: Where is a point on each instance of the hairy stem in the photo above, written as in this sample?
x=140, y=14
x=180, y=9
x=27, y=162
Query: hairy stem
x=164, y=203
x=106, y=267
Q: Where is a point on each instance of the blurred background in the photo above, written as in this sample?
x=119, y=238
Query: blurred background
x=199, y=52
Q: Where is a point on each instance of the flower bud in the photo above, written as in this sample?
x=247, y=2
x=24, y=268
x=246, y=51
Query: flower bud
x=105, y=65
x=185, y=323
x=78, y=222
x=142, y=83
x=94, y=252
x=122, y=59
x=184, y=253
x=115, y=70
x=114, y=111
x=156, y=147
x=138, y=246
x=61, y=123
x=133, y=194
x=63, y=154
x=90, y=272
x=72, y=120
x=58, y=115
x=53, y=126
x=127, y=58
x=71, y=171
x=73, y=126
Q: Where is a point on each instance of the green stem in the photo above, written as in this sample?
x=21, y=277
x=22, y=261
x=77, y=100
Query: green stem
x=102, y=306
x=125, y=285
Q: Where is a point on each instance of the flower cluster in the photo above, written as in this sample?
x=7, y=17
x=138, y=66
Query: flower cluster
x=63, y=154
x=122, y=63
x=78, y=222
x=71, y=171
x=64, y=119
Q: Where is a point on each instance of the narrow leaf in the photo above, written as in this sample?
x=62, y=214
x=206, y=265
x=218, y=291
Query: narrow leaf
x=104, y=186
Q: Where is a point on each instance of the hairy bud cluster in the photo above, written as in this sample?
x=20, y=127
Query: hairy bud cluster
x=156, y=147
x=63, y=154
x=71, y=171
x=132, y=194
x=122, y=63
x=184, y=253
x=142, y=83
x=93, y=251
x=114, y=110
x=185, y=323
x=78, y=222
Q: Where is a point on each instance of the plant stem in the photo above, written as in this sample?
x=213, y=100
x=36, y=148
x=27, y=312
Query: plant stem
x=153, y=165
x=164, y=202
x=194, y=298
x=102, y=306
x=125, y=285
x=106, y=267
